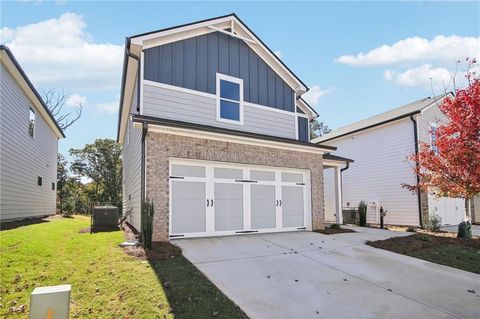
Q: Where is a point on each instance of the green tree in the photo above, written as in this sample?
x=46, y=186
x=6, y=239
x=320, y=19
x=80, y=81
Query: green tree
x=318, y=129
x=101, y=162
x=62, y=177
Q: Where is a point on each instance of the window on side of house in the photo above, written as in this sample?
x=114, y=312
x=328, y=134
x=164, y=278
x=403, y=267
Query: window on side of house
x=53, y=186
x=229, y=99
x=31, y=122
x=39, y=181
x=433, y=138
x=303, y=133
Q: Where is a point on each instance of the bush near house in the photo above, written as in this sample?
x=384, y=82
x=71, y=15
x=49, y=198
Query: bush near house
x=362, y=211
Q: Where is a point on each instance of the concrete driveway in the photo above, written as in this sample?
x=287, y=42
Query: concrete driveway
x=310, y=275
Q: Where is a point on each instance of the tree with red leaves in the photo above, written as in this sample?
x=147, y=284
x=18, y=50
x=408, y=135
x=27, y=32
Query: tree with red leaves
x=452, y=168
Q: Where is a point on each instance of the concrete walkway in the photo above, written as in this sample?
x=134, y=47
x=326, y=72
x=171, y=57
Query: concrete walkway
x=310, y=275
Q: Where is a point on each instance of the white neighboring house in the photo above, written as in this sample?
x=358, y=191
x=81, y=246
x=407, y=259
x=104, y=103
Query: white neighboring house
x=28, y=146
x=379, y=145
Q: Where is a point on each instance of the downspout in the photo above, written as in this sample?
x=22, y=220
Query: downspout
x=143, y=175
x=419, y=198
x=341, y=180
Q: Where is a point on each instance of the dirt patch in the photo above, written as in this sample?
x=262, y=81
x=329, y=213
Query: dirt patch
x=333, y=231
x=404, y=245
x=160, y=250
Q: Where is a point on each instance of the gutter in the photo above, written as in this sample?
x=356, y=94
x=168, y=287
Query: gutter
x=419, y=198
x=127, y=55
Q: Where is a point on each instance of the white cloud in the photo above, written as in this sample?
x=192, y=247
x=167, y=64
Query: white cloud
x=440, y=48
x=109, y=107
x=75, y=100
x=60, y=53
x=314, y=94
x=278, y=53
x=422, y=76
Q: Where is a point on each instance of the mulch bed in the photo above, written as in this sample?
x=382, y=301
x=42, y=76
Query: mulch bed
x=423, y=240
x=332, y=231
x=160, y=250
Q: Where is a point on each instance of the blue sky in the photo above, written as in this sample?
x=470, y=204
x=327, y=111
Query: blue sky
x=78, y=47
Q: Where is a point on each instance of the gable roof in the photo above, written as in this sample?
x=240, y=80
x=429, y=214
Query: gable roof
x=383, y=118
x=12, y=65
x=230, y=24
x=236, y=28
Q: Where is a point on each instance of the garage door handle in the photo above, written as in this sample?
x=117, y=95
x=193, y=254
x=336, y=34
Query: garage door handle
x=280, y=202
x=211, y=204
x=208, y=203
x=276, y=203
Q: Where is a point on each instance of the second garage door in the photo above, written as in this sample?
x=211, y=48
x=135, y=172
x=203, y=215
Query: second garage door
x=212, y=199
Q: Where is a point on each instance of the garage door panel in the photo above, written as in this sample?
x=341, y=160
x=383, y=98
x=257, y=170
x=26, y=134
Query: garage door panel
x=228, y=206
x=188, y=207
x=263, y=213
x=292, y=206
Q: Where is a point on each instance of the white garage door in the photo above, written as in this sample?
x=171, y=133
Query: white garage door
x=212, y=199
x=450, y=210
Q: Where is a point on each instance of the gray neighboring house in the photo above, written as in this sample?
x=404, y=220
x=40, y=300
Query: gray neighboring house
x=380, y=145
x=28, y=146
x=215, y=133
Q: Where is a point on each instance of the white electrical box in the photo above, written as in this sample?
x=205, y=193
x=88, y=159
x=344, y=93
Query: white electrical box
x=50, y=302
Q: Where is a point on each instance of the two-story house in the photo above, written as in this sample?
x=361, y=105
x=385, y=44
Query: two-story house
x=380, y=146
x=215, y=133
x=28, y=146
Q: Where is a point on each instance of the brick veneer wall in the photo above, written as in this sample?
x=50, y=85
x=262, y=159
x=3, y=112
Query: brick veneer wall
x=160, y=147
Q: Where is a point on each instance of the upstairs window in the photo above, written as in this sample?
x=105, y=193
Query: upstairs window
x=39, y=181
x=433, y=138
x=31, y=122
x=229, y=99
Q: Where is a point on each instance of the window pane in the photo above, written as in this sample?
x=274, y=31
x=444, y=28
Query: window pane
x=229, y=110
x=230, y=90
x=31, y=123
x=39, y=181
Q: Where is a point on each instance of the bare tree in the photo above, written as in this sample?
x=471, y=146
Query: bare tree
x=64, y=114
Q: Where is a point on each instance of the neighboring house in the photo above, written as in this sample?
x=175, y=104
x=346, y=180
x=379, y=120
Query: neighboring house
x=28, y=146
x=380, y=145
x=215, y=133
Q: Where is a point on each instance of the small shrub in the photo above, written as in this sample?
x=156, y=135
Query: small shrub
x=434, y=223
x=425, y=238
x=362, y=211
x=147, y=223
x=464, y=230
x=335, y=226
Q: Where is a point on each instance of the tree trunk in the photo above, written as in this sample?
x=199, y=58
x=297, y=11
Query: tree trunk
x=468, y=209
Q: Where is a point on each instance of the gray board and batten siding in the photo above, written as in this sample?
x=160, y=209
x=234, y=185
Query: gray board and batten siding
x=193, y=63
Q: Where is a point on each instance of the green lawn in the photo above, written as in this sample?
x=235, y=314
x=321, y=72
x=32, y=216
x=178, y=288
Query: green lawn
x=106, y=283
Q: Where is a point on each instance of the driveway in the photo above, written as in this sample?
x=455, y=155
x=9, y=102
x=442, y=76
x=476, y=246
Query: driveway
x=310, y=275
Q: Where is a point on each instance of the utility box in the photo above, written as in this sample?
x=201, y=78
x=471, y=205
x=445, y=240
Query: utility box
x=51, y=302
x=104, y=218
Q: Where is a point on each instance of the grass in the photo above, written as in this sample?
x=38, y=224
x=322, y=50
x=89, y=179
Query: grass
x=106, y=282
x=438, y=248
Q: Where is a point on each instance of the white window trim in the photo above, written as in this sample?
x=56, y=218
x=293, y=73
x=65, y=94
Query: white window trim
x=225, y=77
x=430, y=126
x=31, y=109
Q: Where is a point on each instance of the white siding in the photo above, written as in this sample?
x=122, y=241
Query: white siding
x=379, y=169
x=131, y=155
x=188, y=107
x=23, y=158
x=431, y=115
